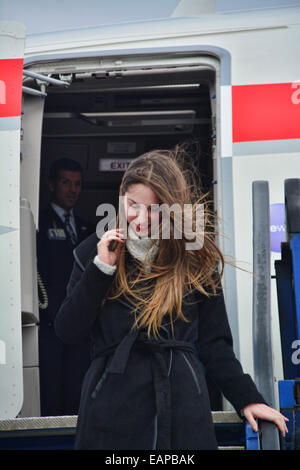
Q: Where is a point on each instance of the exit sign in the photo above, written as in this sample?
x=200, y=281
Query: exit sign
x=114, y=164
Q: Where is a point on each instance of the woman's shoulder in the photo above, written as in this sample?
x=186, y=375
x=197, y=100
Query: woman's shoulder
x=86, y=250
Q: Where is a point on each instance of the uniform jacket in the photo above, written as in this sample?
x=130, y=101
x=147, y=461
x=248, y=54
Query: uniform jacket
x=55, y=257
x=60, y=381
x=142, y=393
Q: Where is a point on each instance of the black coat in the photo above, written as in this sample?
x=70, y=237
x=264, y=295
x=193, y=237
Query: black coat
x=55, y=258
x=148, y=394
x=60, y=381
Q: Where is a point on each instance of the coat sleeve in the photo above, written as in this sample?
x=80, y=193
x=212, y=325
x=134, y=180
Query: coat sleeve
x=215, y=348
x=85, y=292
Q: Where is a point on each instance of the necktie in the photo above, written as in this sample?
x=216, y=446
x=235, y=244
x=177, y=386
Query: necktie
x=69, y=228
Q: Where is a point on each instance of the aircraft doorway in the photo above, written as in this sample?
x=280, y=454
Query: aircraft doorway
x=103, y=120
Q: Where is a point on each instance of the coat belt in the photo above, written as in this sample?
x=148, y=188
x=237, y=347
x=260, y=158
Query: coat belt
x=139, y=340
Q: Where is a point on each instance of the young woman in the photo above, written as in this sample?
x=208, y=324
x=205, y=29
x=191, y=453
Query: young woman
x=157, y=320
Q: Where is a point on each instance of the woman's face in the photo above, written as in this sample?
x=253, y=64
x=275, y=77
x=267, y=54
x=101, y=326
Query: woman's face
x=138, y=200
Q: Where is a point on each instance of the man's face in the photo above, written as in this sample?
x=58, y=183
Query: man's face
x=66, y=189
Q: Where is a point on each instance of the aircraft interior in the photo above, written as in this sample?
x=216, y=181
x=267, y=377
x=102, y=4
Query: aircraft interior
x=103, y=121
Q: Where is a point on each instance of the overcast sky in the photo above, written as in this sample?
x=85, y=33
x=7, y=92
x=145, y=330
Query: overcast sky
x=56, y=15
x=41, y=16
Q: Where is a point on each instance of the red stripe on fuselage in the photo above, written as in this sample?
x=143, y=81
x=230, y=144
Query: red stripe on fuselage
x=11, y=71
x=266, y=112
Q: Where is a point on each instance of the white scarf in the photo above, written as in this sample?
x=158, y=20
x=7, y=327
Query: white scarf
x=144, y=249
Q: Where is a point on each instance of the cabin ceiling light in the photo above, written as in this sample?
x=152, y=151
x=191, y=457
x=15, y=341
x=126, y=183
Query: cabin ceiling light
x=161, y=87
x=126, y=114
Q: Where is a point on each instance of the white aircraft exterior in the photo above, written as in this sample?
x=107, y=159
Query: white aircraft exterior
x=250, y=62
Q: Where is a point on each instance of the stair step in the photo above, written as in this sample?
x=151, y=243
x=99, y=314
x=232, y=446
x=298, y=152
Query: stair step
x=231, y=448
x=226, y=417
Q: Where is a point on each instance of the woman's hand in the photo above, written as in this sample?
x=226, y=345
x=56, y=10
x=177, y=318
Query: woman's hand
x=110, y=257
x=262, y=411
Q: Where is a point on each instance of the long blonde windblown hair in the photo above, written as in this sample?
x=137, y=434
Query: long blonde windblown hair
x=174, y=179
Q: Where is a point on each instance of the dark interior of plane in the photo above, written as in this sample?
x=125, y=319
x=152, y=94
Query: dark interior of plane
x=104, y=122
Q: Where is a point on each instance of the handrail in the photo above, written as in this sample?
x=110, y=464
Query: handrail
x=44, y=78
x=262, y=338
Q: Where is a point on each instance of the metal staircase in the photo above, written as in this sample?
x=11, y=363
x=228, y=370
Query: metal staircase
x=288, y=293
x=49, y=433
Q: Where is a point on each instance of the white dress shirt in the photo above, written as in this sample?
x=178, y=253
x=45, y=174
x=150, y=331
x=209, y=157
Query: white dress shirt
x=60, y=212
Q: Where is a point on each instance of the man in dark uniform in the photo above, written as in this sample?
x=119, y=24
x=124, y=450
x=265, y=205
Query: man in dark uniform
x=62, y=366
